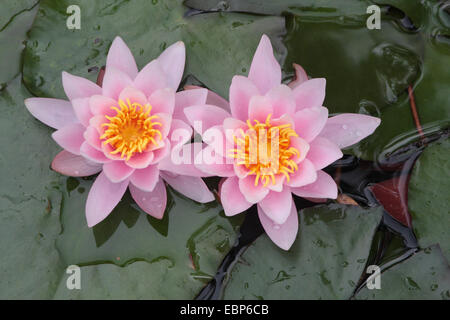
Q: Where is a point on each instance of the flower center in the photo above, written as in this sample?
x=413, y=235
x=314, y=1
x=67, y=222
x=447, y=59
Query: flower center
x=131, y=130
x=265, y=150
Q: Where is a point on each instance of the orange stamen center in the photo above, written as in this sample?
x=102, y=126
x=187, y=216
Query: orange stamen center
x=132, y=129
x=265, y=150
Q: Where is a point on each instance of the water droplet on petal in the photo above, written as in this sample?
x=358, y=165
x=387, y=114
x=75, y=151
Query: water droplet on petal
x=143, y=199
x=276, y=226
x=344, y=126
x=358, y=133
x=77, y=172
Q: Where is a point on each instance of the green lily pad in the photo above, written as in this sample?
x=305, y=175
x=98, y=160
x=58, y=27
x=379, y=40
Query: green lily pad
x=429, y=202
x=44, y=229
x=192, y=238
x=424, y=276
x=325, y=262
x=29, y=202
x=16, y=18
x=355, y=10
x=214, y=42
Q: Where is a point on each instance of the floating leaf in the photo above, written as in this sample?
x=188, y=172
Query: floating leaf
x=425, y=275
x=325, y=262
x=16, y=18
x=429, y=201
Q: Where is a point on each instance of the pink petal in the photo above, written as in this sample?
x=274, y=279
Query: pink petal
x=212, y=98
x=172, y=63
x=284, y=119
x=310, y=93
x=77, y=87
x=233, y=201
x=82, y=110
x=162, y=101
x=349, y=128
x=323, y=187
x=151, y=78
x=101, y=105
x=140, y=160
x=265, y=72
x=279, y=182
x=300, y=76
x=107, y=149
x=145, y=179
x=213, y=163
x=302, y=146
x=240, y=171
x=70, y=137
x=259, y=108
x=96, y=123
x=121, y=58
x=323, y=152
x=277, y=205
x=282, y=100
x=93, y=154
x=161, y=153
x=305, y=174
x=207, y=115
x=114, y=82
x=180, y=132
x=215, y=137
x=188, y=98
x=133, y=95
x=216, y=100
x=117, y=171
x=181, y=161
x=92, y=137
x=55, y=113
x=192, y=187
x=283, y=235
x=252, y=193
x=232, y=126
x=73, y=165
x=241, y=91
x=154, y=202
x=103, y=198
x=309, y=122
x=166, y=120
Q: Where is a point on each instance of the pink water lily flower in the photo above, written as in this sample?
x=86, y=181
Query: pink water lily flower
x=307, y=141
x=122, y=130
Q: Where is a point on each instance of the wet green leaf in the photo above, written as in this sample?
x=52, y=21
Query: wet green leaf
x=16, y=18
x=214, y=43
x=429, y=201
x=29, y=202
x=325, y=262
x=424, y=276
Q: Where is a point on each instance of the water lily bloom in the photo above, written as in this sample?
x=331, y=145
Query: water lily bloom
x=122, y=129
x=258, y=171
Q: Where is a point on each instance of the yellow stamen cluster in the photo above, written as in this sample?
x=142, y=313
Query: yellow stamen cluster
x=131, y=130
x=265, y=150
